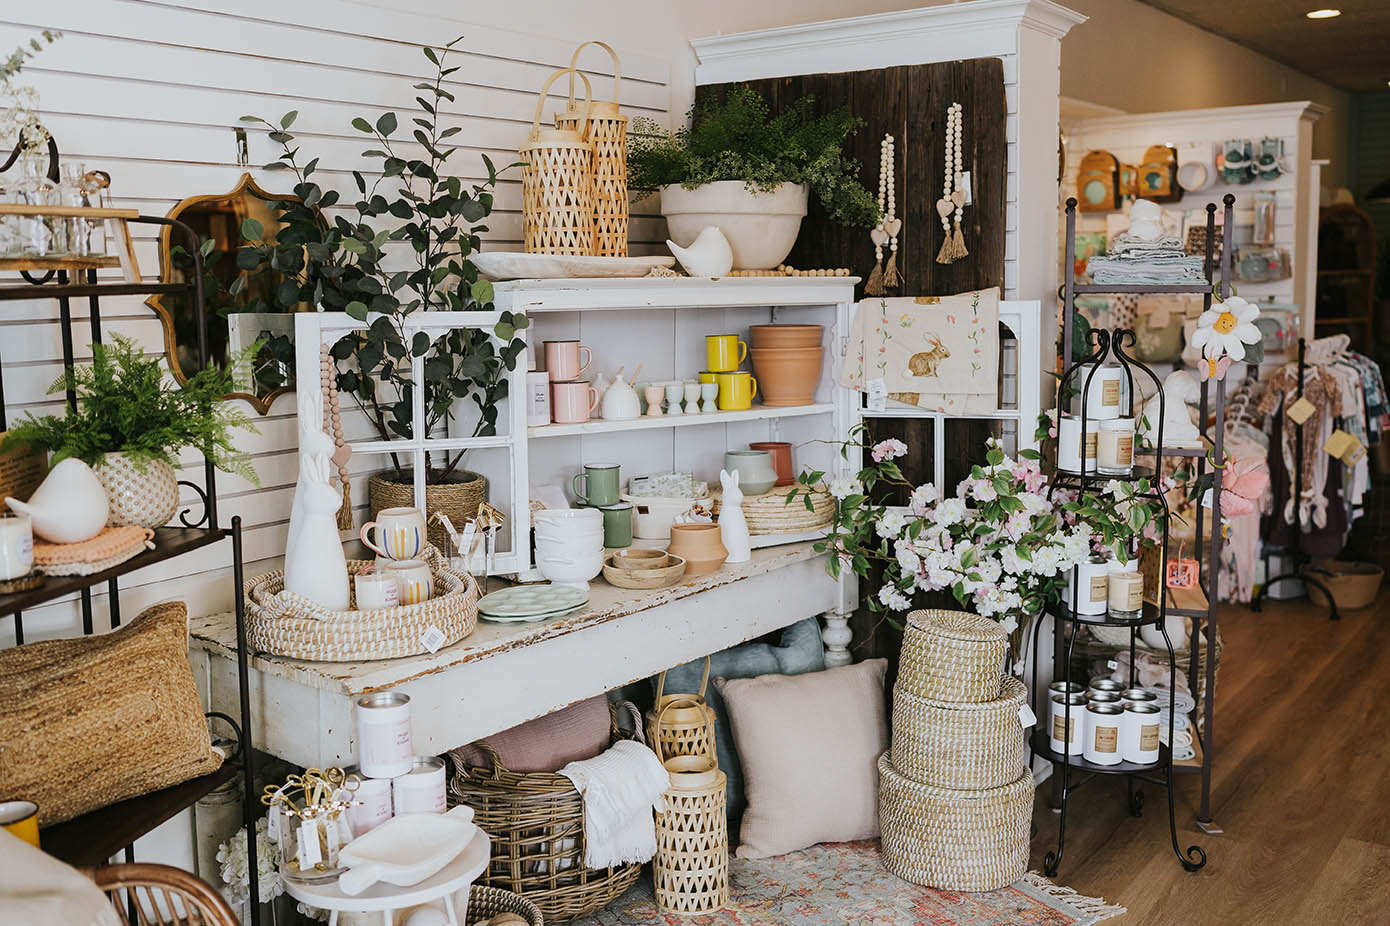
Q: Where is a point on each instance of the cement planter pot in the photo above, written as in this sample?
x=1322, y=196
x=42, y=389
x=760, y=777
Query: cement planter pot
x=761, y=227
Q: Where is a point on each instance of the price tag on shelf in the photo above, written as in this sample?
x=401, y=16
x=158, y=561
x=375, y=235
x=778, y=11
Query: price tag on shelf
x=432, y=639
x=1301, y=410
x=272, y=823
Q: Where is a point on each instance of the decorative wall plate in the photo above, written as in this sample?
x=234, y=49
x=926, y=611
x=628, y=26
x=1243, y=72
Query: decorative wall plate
x=518, y=265
x=1098, y=183
x=1158, y=175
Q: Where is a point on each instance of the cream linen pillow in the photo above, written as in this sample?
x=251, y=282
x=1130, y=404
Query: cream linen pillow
x=809, y=746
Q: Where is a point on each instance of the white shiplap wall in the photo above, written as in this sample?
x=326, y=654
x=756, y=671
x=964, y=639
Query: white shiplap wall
x=151, y=92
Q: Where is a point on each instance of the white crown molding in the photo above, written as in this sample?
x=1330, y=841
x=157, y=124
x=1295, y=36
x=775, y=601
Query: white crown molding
x=1292, y=111
x=976, y=28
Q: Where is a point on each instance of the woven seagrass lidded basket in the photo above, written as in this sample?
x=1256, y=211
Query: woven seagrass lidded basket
x=955, y=744
x=952, y=656
x=955, y=840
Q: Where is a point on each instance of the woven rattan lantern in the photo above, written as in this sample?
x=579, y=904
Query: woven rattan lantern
x=607, y=129
x=557, y=183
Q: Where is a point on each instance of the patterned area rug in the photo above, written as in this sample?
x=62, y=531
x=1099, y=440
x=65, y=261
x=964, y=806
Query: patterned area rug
x=843, y=883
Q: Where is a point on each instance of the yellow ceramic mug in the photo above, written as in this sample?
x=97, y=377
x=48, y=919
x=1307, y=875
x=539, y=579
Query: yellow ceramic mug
x=736, y=391
x=21, y=818
x=708, y=376
x=724, y=352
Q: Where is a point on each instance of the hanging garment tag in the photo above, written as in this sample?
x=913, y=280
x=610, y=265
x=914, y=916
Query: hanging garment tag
x=1026, y=716
x=1339, y=443
x=1301, y=410
x=1111, y=664
x=878, y=394
x=272, y=823
x=432, y=639
x=310, y=853
x=1355, y=454
x=966, y=188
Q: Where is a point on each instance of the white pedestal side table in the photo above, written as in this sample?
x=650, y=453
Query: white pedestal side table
x=388, y=899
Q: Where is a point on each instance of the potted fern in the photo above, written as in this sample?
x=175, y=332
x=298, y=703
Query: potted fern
x=129, y=424
x=750, y=173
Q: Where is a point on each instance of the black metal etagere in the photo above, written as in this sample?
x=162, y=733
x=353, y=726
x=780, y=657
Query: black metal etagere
x=1217, y=270
x=93, y=838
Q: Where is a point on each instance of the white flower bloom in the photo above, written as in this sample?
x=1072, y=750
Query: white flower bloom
x=1225, y=329
x=983, y=489
x=894, y=599
x=923, y=497
x=909, y=561
x=891, y=524
x=844, y=487
x=951, y=511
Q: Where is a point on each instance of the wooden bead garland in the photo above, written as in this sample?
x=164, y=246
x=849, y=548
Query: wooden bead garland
x=333, y=424
x=953, y=192
x=888, y=227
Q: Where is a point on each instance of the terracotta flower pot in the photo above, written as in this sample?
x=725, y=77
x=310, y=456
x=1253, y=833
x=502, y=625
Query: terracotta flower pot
x=700, y=545
x=783, y=336
x=781, y=452
x=787, y=376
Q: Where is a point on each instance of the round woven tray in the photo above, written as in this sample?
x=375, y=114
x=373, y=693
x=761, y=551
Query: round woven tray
x=950, y=744
x=487, y=902
x=966, y=840
x=952, y=656
x=287, y=624
x=772, y=514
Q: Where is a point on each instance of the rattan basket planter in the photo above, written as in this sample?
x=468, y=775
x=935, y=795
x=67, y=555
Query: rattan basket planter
x=459, y=499
x=955, y=840
x=536, y=821
x=607, y=132
x=557, y=182
x=960, y=745
x=952, y=656
x=287, y=624
x=487, y=902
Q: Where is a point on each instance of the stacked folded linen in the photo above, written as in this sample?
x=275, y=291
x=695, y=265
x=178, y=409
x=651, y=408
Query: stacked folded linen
x=1146, y=260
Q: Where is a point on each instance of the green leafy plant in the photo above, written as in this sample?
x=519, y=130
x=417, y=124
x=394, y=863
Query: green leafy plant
x=127, y=403
x=412, y=214
x=740, y=139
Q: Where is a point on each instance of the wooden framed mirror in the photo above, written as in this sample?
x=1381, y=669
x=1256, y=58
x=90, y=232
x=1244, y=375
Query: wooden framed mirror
x=235, y=320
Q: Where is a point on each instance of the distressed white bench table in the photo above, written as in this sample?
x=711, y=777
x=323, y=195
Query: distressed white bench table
x=504, y=674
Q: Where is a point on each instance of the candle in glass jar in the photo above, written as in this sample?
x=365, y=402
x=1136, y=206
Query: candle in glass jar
x=1104, y=392
x=1116, y=447
x=1070, y=446
x=1091, y=591
x=1126, y=594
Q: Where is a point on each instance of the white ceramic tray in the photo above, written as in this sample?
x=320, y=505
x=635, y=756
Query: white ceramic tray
x=518, y=265
x=406, y=850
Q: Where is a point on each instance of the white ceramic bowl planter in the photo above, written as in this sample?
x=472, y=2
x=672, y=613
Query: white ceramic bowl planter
x=144, y=493
x=761, y=227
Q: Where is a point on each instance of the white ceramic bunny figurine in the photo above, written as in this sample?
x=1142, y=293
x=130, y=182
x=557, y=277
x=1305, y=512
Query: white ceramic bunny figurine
x=314, y=563
x=733, y=526
x=314, y=442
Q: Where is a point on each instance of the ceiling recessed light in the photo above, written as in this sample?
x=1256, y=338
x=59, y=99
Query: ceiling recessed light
x=1324, y=14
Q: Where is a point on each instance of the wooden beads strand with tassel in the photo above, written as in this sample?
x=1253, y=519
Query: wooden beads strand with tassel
x=886, y=231
x=952, y=199
x=333, y=424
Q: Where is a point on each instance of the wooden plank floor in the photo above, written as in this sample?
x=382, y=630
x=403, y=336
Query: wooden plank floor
x=1301, y=787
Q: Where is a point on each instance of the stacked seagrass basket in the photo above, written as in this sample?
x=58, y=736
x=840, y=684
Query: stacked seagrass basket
x=955, y=797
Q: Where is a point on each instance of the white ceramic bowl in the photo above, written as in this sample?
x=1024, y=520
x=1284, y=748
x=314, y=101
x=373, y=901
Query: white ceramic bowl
x=653, y=515
x=761, y=227
x=568, y=565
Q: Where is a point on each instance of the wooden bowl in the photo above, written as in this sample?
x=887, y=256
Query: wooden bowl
x=639, y=558
x=644, y=578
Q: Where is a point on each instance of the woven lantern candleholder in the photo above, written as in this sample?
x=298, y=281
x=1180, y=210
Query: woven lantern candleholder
x=690, y=871
x=557, y=182
x=682, y=724
x=607, y=131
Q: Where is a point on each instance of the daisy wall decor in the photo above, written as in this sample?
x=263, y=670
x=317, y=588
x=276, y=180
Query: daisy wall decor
x=1222, y=333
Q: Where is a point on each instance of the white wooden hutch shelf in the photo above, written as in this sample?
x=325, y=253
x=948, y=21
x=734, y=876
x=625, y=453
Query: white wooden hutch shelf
x=756, y=413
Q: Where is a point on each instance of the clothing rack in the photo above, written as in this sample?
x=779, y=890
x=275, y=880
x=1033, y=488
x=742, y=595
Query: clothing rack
x=1295, y=548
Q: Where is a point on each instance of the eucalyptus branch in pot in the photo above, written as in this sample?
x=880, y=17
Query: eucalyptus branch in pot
x=404, y=250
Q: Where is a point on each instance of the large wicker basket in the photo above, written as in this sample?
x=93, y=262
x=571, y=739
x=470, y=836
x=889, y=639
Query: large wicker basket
x=487, y=902
x=952, y=656
x=459, y=500
x=962, y=745
x=288, y=624
x=536, y=821
x=682, y=724
x=955, y=840
x=557, y=183
x=607, y=131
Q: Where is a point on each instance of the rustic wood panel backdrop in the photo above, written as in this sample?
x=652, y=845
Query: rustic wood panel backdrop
x=910, y=103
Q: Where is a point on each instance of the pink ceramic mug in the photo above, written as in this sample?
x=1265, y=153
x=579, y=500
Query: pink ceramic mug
x=571, y=403
x=562, y=360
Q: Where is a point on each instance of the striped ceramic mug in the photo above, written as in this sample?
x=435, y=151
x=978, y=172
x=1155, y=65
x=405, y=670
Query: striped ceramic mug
x=400, y=533
x=414, y=582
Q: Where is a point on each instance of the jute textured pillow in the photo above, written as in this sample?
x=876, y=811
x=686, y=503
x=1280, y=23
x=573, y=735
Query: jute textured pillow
x=810, y=746
x=88, y=721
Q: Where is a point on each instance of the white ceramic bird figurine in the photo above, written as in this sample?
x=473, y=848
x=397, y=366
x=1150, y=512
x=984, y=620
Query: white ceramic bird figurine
x=733, y=526
x=709, y=255
x=69, y=506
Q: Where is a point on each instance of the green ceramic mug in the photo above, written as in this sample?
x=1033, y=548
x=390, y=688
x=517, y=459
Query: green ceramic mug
x=617, y=525
x=600, y=485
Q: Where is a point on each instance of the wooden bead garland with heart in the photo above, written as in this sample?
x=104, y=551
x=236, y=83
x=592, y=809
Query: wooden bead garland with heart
x=333, y=424
x=953, y=192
